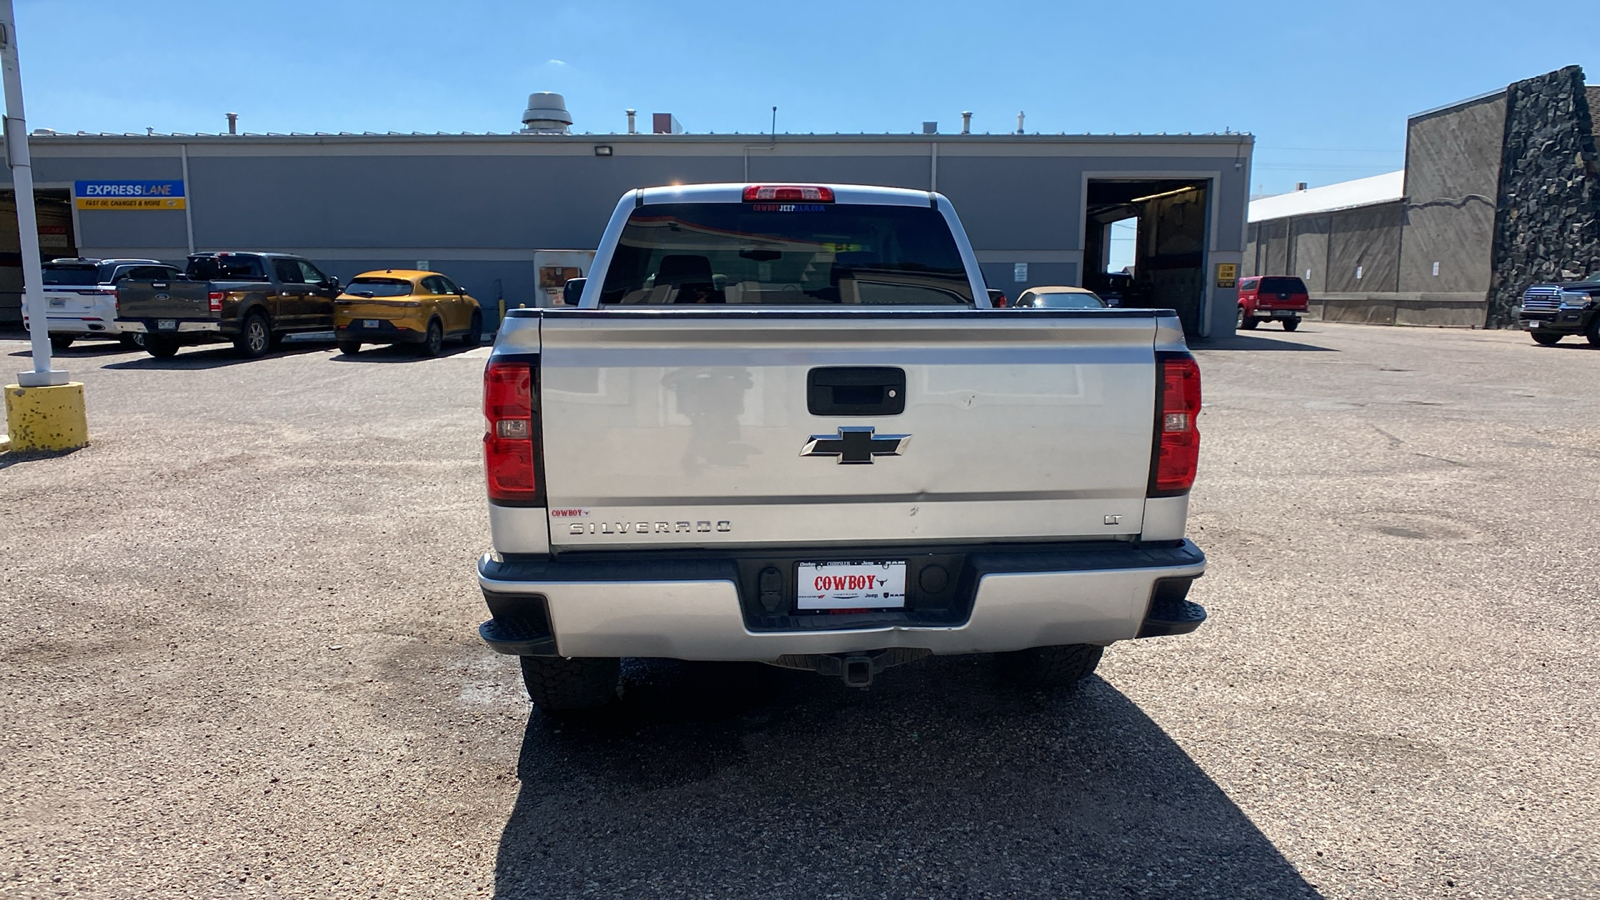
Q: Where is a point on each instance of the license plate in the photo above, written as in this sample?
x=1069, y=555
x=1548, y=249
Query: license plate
x=57, y=303
x=369, y=323
x=166, y=324
x=851, y=585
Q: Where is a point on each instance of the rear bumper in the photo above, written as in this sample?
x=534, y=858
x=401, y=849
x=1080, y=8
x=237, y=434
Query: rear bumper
x=184, y=326
x=385, y=332
x=88, y=324
x=1278, y=313
x=691, y=608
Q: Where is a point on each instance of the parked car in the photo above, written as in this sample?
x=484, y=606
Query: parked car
x=80, y=297
x=1267, y=298
x=405, y=306
x=252, y=299
x=1059, y=297
x=803, y=482
x=1552, y=311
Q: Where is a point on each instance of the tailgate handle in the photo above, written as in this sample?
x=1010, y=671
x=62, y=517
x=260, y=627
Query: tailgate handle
x=856, y=391
x=160, y=285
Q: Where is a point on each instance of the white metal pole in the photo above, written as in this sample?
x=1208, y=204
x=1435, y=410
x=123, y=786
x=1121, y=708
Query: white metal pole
x=16, y=134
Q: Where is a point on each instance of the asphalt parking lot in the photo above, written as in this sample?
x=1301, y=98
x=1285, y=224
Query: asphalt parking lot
x=239, y=658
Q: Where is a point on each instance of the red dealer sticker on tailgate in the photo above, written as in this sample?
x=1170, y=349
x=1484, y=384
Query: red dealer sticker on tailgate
x=851, y=585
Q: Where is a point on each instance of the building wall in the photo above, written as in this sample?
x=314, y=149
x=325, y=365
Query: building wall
x=1452, y=175
x=479, y=206
x=1308, y=250
x=1364, y=248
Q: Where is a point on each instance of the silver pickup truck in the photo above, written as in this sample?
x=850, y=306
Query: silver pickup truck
x=783, y=425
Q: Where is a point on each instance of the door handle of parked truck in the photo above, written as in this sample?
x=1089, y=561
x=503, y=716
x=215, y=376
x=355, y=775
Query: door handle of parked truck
x=856, y=391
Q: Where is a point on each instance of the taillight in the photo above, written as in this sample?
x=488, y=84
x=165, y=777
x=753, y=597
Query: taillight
x=216, y=300
x=510, y=436
x=1177, y=438
x=788, y=192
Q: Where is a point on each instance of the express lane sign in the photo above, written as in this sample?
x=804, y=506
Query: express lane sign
x=128, y=194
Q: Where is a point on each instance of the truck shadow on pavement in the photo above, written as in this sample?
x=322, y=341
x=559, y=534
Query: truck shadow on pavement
x=1252, y=342
x=744, y=780
x=400, y=353
x=214, y=356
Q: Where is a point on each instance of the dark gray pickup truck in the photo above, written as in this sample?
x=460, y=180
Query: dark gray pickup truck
x=251, y=299
x=1551, y=311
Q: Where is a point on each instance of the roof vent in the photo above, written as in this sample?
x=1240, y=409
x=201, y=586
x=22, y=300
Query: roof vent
x=546, y=114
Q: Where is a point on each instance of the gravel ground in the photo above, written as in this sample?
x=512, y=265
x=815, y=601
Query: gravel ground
x=239, y=659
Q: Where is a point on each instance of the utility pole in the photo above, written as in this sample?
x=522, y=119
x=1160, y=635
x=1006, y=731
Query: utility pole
x=16, y=127
x=44, y=410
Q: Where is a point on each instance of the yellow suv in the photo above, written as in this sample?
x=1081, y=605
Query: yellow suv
x=405, y=306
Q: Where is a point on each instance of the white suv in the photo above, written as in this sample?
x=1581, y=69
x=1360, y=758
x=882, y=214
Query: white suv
x=80, y=297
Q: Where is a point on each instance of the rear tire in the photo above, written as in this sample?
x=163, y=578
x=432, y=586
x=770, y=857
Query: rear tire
x=349, y=348
x=474, y=335
x=133, y=339
x=255, y=336
x=161, y=347
x=1592, y=333
x=1044, y=668
x=1250, y=323
x=433, y=344
x=59, y=342
x=1291, y=324
x=558, y=684
x=1545, y=338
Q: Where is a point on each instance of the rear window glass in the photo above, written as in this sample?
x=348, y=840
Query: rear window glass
x=226, y=268
x=378, y=287
x=64, y=274
x=144, y=273
x=1279, y=285
x=1066, y=300
x=786, y=254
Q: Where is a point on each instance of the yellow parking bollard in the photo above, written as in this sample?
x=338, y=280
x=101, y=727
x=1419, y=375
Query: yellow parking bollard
x=46, y=418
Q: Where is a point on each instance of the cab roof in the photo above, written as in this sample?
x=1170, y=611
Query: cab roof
x=409, y=274
x=1058, y=289
x=861, y=194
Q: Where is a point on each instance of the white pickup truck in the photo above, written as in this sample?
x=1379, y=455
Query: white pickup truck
x=783, y=425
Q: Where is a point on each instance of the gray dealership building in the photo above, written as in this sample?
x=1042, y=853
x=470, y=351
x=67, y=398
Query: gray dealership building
x=481, y=207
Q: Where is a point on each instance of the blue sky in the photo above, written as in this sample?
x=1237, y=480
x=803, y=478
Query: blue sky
x=1325, y=87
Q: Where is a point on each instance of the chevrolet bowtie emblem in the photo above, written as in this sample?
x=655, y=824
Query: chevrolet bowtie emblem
x=856, y=444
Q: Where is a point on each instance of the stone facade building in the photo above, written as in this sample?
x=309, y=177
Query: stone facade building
x=1499, y=191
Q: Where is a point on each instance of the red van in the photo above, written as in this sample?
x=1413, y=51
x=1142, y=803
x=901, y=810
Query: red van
x=1265, y=298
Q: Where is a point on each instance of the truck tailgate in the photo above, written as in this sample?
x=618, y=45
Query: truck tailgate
x=163, y=299
x=688, y=428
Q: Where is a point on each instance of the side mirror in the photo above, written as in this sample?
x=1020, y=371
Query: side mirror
x=573, y=291
x=331, y=283
x=461, y=291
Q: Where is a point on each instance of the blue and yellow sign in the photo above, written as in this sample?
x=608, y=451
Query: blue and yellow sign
x=129, y=194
